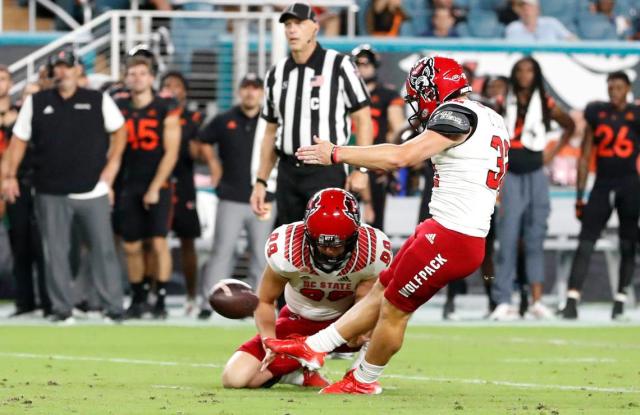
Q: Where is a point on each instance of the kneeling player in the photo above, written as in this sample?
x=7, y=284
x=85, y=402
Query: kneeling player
x=323, y=265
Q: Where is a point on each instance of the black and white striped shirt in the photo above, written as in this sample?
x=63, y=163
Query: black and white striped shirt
x=314, y=98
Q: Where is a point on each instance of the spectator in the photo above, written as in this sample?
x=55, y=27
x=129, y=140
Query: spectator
x=442, y=24
x=185, y=223
x=24, y=235
x=509, y=12
x=532, y=27
x=329, y=20
x=494, y=91
x=524, y=205
x=144, y=200
x=75, y=166
x=459, y=13
x=234, y=135
x=495, y=87
x=384, y=17
x=301, y=103
x=620, y=22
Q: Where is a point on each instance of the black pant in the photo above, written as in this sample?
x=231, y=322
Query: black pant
x=378, y=185
x=26, y=247
x=297, y=183
x=623, y=194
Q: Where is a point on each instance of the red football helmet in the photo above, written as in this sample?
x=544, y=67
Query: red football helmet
x=332, y=219
x=432, y=81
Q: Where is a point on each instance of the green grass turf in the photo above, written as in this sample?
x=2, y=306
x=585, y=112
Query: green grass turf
x=441, y=371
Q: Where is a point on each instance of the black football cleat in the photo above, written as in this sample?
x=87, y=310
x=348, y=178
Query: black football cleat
x=570, y=310
x=449, y=309
x=618, y=310
x=135, y=311
x=159, y=311
x=204, y=314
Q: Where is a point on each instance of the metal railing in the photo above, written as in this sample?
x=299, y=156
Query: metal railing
x=176, y=37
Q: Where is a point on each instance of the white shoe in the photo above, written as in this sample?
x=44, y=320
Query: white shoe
x=452, y=317
x=190, y=307
x=541, y=311
x=504, y=312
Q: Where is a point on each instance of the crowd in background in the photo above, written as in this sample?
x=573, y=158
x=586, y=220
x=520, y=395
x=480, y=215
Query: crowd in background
x=517, y=20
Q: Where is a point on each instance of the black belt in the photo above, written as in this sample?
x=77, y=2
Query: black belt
x=291, y=160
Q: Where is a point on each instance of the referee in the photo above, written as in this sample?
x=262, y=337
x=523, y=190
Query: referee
x=312, y=92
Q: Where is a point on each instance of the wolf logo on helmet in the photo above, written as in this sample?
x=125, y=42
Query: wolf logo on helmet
x=432, y=81
x=421, y=78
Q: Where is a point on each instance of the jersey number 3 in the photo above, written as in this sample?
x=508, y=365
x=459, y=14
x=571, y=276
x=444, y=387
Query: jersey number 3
x=494, y=179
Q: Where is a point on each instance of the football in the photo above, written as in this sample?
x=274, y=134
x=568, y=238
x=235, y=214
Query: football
x=233, y=299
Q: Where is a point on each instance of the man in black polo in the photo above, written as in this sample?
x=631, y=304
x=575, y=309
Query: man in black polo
x=78, y=139
x=234, y=135
x=313, y=92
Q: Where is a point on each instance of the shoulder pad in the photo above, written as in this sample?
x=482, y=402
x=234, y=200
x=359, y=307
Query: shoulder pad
x=282, y=252
x=452, y=119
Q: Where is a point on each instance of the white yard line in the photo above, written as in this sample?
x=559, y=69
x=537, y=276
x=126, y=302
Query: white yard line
x=106, y=359
x=525, y=340
x=560, y=360
x=521, y=385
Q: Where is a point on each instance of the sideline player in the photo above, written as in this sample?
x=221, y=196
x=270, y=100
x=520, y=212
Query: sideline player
x=612, y=133
x=322, y=264
x=468, y=144
x=144, y=200
x=186, y=223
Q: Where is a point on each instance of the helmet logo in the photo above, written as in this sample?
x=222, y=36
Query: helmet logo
x=422, y=78
x=351, y=209
x=313, y=206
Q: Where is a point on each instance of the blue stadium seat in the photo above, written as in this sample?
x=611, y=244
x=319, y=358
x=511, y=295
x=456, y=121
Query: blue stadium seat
x=622, y=7
x=420, y=15
x=362, y=18
x=486, y=5
x=595, y=27
x=566, y=11
x=482, y=24
x=464, y=4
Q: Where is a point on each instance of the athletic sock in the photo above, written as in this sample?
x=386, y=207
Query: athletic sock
x=368, y=373
x=620, y=297
x=326, y=340
x=361, y=354
x=147, y=281
x=137, y=292
x=161, y=293
x=293, y=378
x=574, y=294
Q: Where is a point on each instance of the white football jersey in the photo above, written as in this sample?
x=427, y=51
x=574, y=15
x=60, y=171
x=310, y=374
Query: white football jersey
x=316, y=295
x=468, y=176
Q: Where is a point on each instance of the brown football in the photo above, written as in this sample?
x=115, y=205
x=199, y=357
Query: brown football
x=233, y=299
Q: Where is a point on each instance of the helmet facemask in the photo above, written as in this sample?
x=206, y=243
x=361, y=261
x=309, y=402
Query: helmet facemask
x=328, y=263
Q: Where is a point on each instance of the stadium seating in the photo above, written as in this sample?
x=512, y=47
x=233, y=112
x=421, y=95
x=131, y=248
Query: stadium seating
x=596, y=27
x=481, y=24
x=566, y=11
x=487, y=5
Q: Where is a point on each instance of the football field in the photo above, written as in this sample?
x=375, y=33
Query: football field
x=442, y=369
